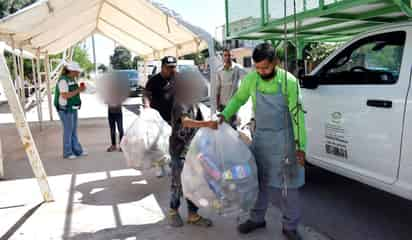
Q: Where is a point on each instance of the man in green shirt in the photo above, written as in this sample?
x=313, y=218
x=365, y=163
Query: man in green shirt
x=279, y=139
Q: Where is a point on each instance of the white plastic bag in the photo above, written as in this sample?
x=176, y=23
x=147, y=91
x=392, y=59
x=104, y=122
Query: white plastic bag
x=146, y=142
x=220, y=172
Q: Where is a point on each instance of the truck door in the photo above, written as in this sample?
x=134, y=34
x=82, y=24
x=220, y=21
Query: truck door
x=355, y=116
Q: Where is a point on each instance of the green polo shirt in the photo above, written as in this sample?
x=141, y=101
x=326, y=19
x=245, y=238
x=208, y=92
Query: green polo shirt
x=248, y=89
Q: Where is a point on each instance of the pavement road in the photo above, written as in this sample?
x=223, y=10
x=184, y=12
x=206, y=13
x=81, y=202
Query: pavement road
x=344, y=209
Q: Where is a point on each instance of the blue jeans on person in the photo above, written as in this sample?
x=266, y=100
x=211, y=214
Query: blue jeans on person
x=71, y=144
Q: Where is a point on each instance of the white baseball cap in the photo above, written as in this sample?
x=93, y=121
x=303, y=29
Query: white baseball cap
x=73, y=66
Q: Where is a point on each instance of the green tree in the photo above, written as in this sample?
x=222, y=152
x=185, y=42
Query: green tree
x=121, y=59
x=81, y=56
x=102, y=68
x=11, y=6
x=317, y=51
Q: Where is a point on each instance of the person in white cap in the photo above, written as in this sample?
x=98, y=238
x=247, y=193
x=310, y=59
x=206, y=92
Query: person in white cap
x=67, y=102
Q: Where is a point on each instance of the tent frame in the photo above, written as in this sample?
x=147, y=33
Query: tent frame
x=1, y=161
x=23, y=129
x=18, y=110
x=53, y=43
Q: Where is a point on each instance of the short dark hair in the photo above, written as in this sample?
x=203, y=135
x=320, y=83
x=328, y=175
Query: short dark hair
x=226, y=50
x=65, y=71
x=264, y=51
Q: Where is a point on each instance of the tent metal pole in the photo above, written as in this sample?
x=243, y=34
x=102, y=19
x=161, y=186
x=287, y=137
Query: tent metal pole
x=24, y=129
x=20, y=78
x=64, y=54
x=213, y=64
x=16, y=74
x=36, y=87
x=39, y=83
x=19, y=89
x=1, y=161
x=71, y=53
x=145, y=74
x=49, y=95
x=94, y=55
x=23, y=87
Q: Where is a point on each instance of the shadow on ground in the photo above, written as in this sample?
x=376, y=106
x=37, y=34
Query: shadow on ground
x=114, y=190
x=150, y=231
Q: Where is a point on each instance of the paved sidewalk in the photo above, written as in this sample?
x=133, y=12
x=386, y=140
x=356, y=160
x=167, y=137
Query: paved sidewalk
x=97, y=197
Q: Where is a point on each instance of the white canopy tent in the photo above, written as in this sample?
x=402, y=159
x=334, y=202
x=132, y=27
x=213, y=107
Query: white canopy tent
x=54, y=26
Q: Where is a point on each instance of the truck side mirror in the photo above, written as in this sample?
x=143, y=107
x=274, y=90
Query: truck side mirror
x=309, y=82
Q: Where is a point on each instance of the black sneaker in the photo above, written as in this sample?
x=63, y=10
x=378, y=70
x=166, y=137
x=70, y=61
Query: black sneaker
x=291, y=234
x=250, y=226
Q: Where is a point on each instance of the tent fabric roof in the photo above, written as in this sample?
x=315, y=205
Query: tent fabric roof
x=55, y=25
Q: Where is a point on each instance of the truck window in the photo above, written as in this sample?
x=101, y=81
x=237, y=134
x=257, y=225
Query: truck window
x=373, y=60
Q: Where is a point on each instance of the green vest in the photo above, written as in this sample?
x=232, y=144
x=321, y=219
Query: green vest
x=74, y=102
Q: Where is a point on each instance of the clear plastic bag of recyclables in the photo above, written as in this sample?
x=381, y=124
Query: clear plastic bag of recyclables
x=146, y=142
x=220, y=172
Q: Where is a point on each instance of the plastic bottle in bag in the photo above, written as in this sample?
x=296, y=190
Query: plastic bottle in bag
x=225, y=170
x=146, y=142
x=210, y=167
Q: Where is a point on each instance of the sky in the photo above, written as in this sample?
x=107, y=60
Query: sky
x=208, y=15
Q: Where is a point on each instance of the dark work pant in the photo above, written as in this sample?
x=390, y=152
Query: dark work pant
x=176, y=187
x=116, y=119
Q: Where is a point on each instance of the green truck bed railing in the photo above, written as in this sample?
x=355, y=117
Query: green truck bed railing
x=317, y=20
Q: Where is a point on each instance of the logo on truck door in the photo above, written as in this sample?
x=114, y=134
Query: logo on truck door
x=336, y=143
x=337, y=118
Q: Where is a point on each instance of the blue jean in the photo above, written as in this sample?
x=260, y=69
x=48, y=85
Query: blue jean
x=71, y=144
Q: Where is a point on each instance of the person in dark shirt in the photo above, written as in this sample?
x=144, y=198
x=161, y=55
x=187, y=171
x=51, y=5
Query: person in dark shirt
x=115, y=118
x=186, y=117
x=159, y=90
x=159, y=94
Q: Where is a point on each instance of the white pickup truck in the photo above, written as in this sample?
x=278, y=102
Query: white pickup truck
x=359, y=110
